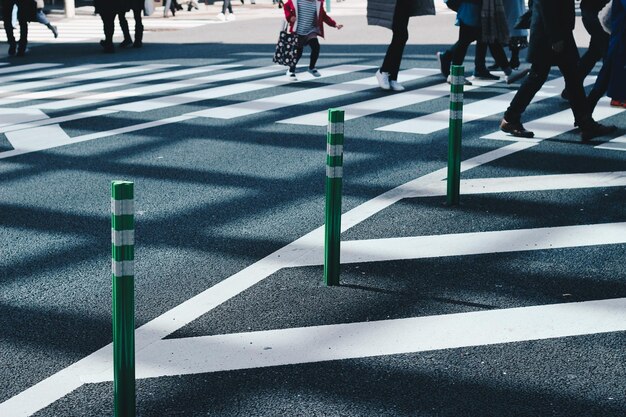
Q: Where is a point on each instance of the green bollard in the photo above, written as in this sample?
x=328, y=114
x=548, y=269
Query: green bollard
x=457, y=73
x=123, y=256
x=328, y=6
x=334, y=174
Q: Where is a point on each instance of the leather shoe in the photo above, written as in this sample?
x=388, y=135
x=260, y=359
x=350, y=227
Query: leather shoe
x=515, y=129
x=594, y=130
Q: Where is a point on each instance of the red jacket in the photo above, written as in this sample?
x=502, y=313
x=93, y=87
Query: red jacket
x=291, y=6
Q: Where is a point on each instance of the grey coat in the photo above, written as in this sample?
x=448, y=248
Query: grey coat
x=380, y=12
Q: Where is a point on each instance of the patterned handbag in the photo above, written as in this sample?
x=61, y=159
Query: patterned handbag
x=286, y=48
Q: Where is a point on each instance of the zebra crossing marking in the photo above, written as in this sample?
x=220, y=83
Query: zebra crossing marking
x=617, y=144
x=171, y=84
x=247, y=108
x=108, y=73
x=558, y=123
x=232, y=89
x=27, y=67
x=41, y=77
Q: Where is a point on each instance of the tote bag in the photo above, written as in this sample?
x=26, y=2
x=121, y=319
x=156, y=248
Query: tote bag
x=286, y=47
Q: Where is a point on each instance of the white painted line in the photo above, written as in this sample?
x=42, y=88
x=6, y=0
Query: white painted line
x=557, y=123
x=376, y=338
x=433, y=122
x=44, y=120
x=38, y=138
x=57, y=141
x=231, y=89
x=43, y=76
x=247, y=108
x=10, y=117
x=47, y=94
x=617, y=144
x=25, y=68
x=170, y=84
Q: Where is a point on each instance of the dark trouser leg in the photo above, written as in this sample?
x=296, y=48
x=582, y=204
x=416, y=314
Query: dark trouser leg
x=124, y=26
x=299, y=49
x=314, y=43
x=399, y=26
x=597, y=46
x=138, y=25
x=531, y=85
x=480, y=57
x=7, y=19
x=467, y=35
x=602, y=84
x=497, y=51
x=23, y=14
x=567, y=62
x=108, y=22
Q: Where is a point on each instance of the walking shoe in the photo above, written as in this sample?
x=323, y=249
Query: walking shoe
x=21, y=51
x=126, y=42
x=595, y=129
x=396, y=86
x=137, y=44
x=516, y=75
x=221, y=17
x=465, y=80
x=107, y=47
x=231, y=16
x=565, y=94
x=12, y=49
x=618, y=103
x=515, y=129
x=291, y=76
x=383, y=80
x=444, y=63
x=484, y=74
x=313, y=71
x=494, y=67
x=55, y=31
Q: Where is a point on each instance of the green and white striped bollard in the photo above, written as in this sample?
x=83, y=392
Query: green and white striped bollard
x=457, y=73
x=123, y=259
x=334, y=175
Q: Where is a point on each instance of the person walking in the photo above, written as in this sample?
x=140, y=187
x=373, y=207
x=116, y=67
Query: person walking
x=306, y=18
x=137, y=8
x=394, y=15
x=552, y=42
x=227, y=6
x=41, y=17
x=26, y=10
x=514, y=10
x=108, y=9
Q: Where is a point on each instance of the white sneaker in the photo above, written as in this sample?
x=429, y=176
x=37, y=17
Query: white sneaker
x=383, y=80
x=230, y=16
x=515, y=75
x=221, y=17
x=396, y=86
x=291, y=76
x=314, y=72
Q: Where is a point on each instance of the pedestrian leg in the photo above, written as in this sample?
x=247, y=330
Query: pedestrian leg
x=125, y=30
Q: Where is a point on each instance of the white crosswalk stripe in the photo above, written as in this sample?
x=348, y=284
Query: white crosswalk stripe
x=82, y=29
x=617, y=144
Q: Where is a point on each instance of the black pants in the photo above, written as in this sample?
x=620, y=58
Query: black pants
x=399, y=26
x=138, y=25
x=227, y=6
x=108, y=22
x=314, y=44
x=597, y=46
x=22, y=17
x=467, y=35
x=567, y=62
x=497, y=51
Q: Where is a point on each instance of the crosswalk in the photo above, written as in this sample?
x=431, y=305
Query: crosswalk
x=46, y=94
x=86, y=28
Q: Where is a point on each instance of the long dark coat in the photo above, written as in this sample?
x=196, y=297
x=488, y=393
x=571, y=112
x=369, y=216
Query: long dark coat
x=104, y=7
x=380, y=12
x=617, y=51
x=552, y=21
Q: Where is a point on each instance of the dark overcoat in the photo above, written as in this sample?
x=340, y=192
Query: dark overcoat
x=104, y=7
x=617, y=51
x=380, y=12
x=552, y=21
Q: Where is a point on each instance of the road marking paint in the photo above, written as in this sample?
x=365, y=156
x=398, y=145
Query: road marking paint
x=44, y=119
x=293, y=346
x=557, y=123
x=251, y=107
x=229, y=90
x=28, y=67
x=170, y=84
x=617, y=144
x=47, y=94
x=10, y=117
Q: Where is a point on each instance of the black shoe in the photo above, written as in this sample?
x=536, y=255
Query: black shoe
x=484, y=74
x=444, y=63
x=515, y=129
x=595, y=129
x=514, y=63
x=137, y=44
x=494, y=67
x=21, y=51
x=565, y=95
x=126, y=42
x=107, y=47
x=12, y=49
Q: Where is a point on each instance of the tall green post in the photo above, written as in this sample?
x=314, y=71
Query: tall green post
x=457, y=73
x=334, y=174
x=328, y=6
x=123, y=258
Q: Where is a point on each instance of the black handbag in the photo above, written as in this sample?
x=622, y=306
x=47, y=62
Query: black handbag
x=286, y=49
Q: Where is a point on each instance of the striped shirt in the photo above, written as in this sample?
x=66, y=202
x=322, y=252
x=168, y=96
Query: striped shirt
x=307, y=19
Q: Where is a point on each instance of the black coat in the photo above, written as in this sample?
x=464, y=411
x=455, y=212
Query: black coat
x=552, y=21
x=110, y=6
x=380, y=12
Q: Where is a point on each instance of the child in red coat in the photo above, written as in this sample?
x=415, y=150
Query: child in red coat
x=306, y=18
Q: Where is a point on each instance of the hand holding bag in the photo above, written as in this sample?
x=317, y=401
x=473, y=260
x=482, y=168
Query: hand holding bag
x=286, y=48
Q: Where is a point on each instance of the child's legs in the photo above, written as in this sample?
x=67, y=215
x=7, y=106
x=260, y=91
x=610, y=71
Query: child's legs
x=314, y=44
x=299, y=49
